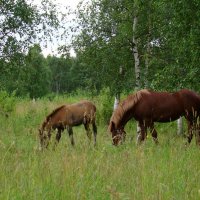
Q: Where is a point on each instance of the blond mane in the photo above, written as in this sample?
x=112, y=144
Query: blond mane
x=126, y=105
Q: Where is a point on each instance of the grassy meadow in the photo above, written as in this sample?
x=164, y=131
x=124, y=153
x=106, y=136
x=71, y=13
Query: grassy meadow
x=150, y=172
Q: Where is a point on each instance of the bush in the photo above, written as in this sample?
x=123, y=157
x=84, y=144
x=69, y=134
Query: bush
x=104, y=106
x=7, y=103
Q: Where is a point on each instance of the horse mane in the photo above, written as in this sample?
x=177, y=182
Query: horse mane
x=126, y=105
x=54, y=112
x=132, y=100
x=48, y=117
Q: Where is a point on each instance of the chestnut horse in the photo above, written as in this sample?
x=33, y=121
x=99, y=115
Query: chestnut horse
x=147, y=107
x=67, y=116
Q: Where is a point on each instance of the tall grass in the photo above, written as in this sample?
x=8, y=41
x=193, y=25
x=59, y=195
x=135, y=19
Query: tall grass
x=165, y=171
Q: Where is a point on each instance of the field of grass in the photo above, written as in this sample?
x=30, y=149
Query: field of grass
x=146, y=172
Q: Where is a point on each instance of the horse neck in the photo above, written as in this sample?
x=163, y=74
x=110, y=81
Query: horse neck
x=45, y=125
x=124, y=111
x=121, y=117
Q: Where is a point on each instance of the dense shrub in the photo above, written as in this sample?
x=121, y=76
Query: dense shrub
x=7, y=102
x=104, y=106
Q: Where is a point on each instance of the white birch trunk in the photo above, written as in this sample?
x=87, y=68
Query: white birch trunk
x=136, y=55
x=136, y=59
x=116, y=102
x=180, y=126
x=117, y=97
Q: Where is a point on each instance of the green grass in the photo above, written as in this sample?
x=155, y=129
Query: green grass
x=165, y=171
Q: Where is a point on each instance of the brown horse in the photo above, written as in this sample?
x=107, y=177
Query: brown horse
x=147, y=107
x=67, y=116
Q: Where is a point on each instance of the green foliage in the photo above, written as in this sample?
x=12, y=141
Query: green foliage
x=167, y=39
x=7, y=102
x=37, y=70
x=104, y=44
x=105, y=107
x=175, y=58
x=67, y=74
x=24, y=23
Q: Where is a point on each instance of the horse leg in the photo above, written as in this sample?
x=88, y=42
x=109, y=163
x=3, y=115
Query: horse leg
x=142, y=135
x=47, y=138
x=58, y=136
x=190, y=131
x=42, y=139
x=88, y=131
x=154, y=133
x=193, y=127
x=198, y=134
x=70, y=131
x=94, y=127
x=196, y=129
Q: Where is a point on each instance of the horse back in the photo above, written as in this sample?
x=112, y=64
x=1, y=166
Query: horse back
x=71, y=115
x=159, y=106
x=82, y=112
x=83, y=107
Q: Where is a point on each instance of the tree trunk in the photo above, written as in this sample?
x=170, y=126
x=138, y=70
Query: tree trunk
x=136, y=56
x=148, y=46
x=116, y=102
x=180, y=126
x=117, y=96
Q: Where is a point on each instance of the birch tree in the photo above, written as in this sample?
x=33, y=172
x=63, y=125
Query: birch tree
x=117, y=95
x=135, y=47
x=136, y=53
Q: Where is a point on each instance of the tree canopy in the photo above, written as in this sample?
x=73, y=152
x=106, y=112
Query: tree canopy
x=167, y=34
x=24, y=23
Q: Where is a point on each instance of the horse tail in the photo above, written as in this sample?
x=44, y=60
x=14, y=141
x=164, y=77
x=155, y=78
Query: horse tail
x=89, y=115
x=93, y=114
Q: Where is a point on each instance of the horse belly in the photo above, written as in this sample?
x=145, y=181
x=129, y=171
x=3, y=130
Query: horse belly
x=166, y=115
x=166, y=119
x=158, y=112
x=75, y=121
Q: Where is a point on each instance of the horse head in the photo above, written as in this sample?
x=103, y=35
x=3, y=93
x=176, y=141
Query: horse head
x=43, y=135
x=118, y=134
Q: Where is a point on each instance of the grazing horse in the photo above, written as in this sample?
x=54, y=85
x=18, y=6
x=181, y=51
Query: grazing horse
x=147, y=107
x=67, y=116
